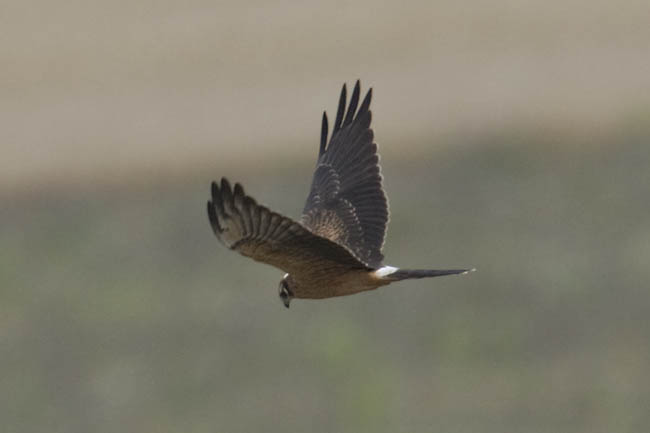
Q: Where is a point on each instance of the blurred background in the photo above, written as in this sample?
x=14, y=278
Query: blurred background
x=514, y=138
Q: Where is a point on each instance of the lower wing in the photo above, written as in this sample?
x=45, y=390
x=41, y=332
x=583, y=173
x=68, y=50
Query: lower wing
x=268, y=237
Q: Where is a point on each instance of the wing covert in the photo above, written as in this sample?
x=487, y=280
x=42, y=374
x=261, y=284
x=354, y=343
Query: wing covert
x=347, y=203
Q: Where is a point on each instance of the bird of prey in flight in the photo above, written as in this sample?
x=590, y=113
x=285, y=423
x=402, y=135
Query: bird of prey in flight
x=335, y=249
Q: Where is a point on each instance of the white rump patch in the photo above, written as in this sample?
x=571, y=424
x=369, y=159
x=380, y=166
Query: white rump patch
x=385, y=270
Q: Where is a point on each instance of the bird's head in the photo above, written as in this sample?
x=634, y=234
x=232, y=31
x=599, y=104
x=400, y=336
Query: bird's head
x=284, y=290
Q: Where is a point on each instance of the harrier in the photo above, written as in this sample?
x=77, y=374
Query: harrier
x=335, y=250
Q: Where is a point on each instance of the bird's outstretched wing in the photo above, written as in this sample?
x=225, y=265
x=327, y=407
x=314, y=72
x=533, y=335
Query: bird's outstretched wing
x=263, y=235
x=347, y=203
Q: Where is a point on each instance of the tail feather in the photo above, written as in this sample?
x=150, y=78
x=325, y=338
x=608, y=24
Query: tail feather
x=405, y=274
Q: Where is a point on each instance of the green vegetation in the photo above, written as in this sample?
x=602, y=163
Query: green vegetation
x=119, y=311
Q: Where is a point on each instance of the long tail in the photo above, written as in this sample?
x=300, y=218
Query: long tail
x=394, y=274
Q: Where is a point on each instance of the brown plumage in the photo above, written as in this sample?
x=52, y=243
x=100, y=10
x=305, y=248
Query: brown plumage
x=336, y=248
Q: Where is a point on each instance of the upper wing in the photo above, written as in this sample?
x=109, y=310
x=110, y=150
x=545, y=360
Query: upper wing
x=347, y=203
x=257, y=232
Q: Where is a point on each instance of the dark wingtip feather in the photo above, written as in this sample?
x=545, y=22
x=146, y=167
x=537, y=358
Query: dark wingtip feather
x=239, y=190
x=362, y=122
x=212, y=216
x=354, y=101
x=340, y=110
x=226, y=192
x=365, y=105
x=214, y=190
x=323, y=135
x=225, y=185
x=217, y=199
x=238, y=196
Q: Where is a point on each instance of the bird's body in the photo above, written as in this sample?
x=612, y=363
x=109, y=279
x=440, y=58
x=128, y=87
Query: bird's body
x=336, y=248
x=326, y=284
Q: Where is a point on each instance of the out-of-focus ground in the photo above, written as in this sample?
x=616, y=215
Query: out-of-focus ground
x=514, y=138
x=98, y=90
